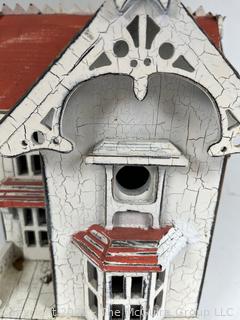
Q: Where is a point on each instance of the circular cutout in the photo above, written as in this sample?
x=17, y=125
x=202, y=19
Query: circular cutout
x=166, y=51
x=56, y=140
x=121, y=48
x=24, y=143
x=133, y=178
x=147, y=62
x=133, y=63
x=38, y=137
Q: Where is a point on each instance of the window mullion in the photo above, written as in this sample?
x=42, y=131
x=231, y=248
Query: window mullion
x=128, y=287
x=100, y=280
x=29, y=164
x=127, y=311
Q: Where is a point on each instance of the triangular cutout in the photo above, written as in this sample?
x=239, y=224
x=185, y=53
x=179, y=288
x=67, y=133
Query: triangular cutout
x=182, y=63
x=101, y=61
x=48, y=10
x=6, y=10
x=232, y=120
x=165, y=3
x=152, y=31
x=133, y=29
x=19, y=9
x=32, y=9
x=48, y=120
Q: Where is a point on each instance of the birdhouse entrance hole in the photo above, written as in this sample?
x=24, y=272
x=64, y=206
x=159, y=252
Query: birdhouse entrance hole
x=133, y=179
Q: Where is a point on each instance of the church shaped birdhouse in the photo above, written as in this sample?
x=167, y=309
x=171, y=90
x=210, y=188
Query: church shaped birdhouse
x=134, y=122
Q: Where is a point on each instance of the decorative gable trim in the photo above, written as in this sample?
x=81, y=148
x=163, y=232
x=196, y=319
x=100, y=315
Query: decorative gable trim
x=107, y=46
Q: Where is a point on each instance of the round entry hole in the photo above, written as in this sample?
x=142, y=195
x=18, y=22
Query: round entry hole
x=133, y=178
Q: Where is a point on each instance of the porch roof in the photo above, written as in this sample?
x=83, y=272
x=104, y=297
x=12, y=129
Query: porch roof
x=16, y=193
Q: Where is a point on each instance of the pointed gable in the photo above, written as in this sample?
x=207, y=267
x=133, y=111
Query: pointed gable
x=134, y=38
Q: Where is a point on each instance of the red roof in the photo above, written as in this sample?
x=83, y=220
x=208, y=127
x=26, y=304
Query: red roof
x=209, y=24
x=30, y=43
x=15, y=193
x=121, y=249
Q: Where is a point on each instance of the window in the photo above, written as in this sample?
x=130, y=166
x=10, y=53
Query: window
x=158, y=303
x=136, y=312
x=41, y=215
x=43, y=238
x=93, y=289
x=118, y=287
x=22, y=165
x=30, y=238
x=34, y=233
x=137, y=287
x=127, y=296
x=117, y=312
x=93, y=302
x=133, y=218
x=160, y=279
x=92, y=275
x=36, y=164
x=28, y=165
x=28, y=217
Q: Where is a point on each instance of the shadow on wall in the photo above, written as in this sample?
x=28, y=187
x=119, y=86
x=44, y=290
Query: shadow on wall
x=106, y=107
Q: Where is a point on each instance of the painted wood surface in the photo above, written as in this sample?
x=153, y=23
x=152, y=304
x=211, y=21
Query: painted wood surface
x=23, y=294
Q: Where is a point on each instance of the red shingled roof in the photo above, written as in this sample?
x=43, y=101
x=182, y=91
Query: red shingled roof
x=30, y=43
x=121, y=249
x=209, y=24
x=16, y=193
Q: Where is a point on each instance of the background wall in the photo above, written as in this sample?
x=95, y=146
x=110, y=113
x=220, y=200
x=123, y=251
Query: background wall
x=221, y=294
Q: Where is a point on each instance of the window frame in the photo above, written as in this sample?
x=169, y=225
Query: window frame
x=30, y=168
x=41, y=252
x=127, y=300
x=96, y=290
x=155, y=290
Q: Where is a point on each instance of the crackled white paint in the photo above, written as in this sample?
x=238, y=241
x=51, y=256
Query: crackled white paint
x=145, y=153
x=170, y=246
x=107, y=108
x=168, y=107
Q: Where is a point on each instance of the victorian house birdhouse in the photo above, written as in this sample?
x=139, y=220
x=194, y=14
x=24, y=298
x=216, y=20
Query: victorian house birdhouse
x=134, y=122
